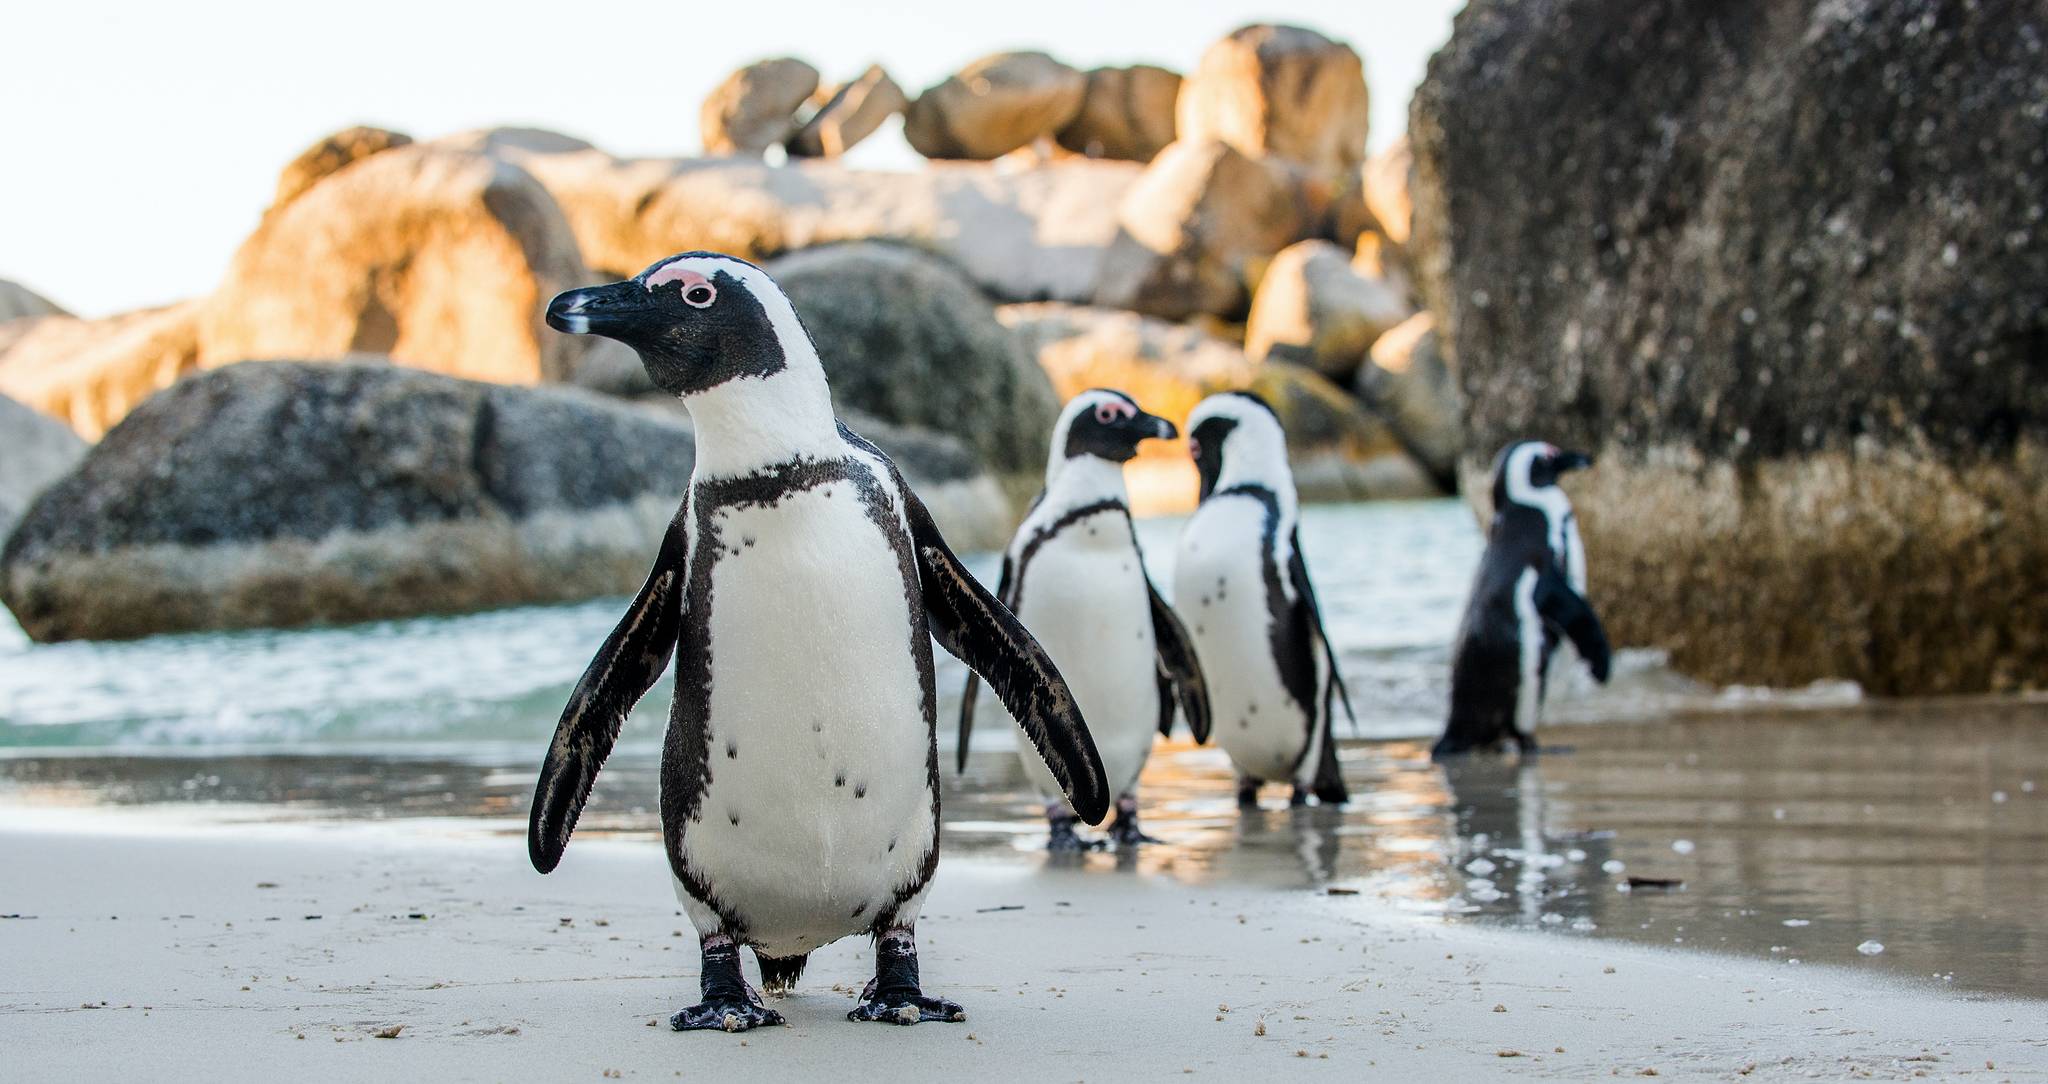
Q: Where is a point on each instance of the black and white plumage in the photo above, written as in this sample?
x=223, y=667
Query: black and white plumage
x=1530, y=593
x=1242, y=587
x=1075, y=575
x=794, y=588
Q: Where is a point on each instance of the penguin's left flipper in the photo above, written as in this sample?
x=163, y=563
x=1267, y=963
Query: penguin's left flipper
x=969, y=622
x=1305, y=596
x=1565, y=608
x=630, y=662
x=1177, y=668
x=973, y=689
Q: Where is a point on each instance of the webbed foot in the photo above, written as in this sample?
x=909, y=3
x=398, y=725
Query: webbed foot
x=725, y=1014
x=893, y=996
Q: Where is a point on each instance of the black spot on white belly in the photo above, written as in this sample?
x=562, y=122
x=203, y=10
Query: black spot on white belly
x=732, y=750
x=839, y=780
x=859, y=911
x=860, y=790
x=734, y=818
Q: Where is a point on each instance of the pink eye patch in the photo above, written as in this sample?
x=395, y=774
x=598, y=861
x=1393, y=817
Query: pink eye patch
x=676, y=273
x=1110, y=411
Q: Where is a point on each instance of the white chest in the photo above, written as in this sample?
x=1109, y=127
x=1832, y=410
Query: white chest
x=1221, y=593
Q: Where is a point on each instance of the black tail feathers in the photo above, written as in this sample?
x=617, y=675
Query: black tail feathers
x=779, y=973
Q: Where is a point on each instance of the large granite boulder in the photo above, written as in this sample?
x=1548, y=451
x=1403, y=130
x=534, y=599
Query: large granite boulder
x=906, y=339
x=329, y=155
x=439, y=258
x=35, y=450
x=1784, y=271
x=287, y=493
x=755, y=107
x=1125, y=113
x=994, y=106
x=1314, y=308
x=90, y=373
x=1339, y=450
x=1195, y=232
x=1406, y=381
x=1024, y=234
x=19, y=302
x=1387, y=177
x=847, y=114
x=1284, y=92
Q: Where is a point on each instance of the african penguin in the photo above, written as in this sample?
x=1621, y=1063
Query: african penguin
x=795, y=586
x=1076, y=578
x=1242, y=588
x=1530, y=592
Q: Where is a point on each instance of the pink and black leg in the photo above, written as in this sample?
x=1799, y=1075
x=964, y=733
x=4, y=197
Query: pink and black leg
x=1124, y=831
x=893, y=996
x=729, y=1004
x=1061, y=820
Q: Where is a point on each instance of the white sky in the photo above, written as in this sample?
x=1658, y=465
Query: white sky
x=144, y=139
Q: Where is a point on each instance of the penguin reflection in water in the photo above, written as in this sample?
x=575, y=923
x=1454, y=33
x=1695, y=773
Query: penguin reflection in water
x=1529, y=594
x=795, y=587
x=1241, y=585
x=1075, y=576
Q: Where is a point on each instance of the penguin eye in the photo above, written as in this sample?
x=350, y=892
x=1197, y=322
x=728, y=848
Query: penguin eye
x=700, y=296
x=1105, y=413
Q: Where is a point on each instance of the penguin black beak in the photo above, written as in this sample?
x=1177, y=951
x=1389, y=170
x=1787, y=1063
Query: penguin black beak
x=1571, y=461
x=599, y=310
x=1155, y=427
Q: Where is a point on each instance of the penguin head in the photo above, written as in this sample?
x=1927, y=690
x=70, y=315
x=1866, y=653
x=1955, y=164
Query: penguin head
x=1105, y=424
x=698, y=321
x=1238, y=432
x=1526, y=472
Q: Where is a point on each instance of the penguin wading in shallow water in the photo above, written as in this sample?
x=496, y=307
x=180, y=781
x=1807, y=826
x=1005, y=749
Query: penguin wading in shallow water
x=1075, y=575
x=1242, y=588
x=799, y=776
x=1530, y=593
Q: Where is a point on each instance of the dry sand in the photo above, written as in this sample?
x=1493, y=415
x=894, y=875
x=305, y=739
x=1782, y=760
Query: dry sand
x=148, y=950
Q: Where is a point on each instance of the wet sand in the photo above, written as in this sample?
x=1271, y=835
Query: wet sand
x=274, y=951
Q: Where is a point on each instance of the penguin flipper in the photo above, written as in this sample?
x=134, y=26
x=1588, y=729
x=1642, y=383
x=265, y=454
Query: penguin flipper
x=983, y=633
x=632, y=659
x=1568, y=610
x=1178, y=666
x=973, y=690
x=1305, y=595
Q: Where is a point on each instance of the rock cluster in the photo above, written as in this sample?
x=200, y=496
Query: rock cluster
x=1135, y=216
x=1784, y=270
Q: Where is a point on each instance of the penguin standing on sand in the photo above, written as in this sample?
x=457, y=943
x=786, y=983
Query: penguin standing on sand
x=1529, y=594
x=1075, y=576
x=1242, y=588
x=795, y=587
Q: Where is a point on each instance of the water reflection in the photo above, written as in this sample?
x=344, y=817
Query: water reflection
x=1794, y=837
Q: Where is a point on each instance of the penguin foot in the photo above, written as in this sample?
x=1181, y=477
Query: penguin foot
x=726, y=1014
x=1247, y=794
x=1064, y=839
x=906, y=1009
x=893, y=996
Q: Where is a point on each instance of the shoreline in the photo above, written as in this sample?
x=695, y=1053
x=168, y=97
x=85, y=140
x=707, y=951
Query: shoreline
x=199, y=945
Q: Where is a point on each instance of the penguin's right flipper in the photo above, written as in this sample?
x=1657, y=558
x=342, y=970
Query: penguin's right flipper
x=973, y=689
x=1565, y=608
x=983, y=633
x=632, y=659
x=1178, y=671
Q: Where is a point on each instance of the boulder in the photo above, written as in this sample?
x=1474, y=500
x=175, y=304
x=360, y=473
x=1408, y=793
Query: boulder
x=755, y=107
x=907, y=339
x=18, y=302
x=1313, y=308
x=847, y=114
x=1339, y=451
x=994, y=106
x=1386, y=180
x=39, y=450
x=1195, y=231
x=1283, y=92
x=90, y=373
x=1783, y=274
x=288, y=493
x=1125, y=113
x=1020, y=234
x=1406, y=382
x=441, y=259
x=329, y=155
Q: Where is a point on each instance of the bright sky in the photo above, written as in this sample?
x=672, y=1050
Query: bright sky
x=145, y=138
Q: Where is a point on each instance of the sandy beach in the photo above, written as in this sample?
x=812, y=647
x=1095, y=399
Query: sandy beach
x=138, y=945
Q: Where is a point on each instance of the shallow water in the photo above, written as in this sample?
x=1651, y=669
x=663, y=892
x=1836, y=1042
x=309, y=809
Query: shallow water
x=1797, y=835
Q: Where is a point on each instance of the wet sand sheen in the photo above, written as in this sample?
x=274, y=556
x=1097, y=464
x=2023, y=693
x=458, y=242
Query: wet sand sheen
x=1921, y=827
